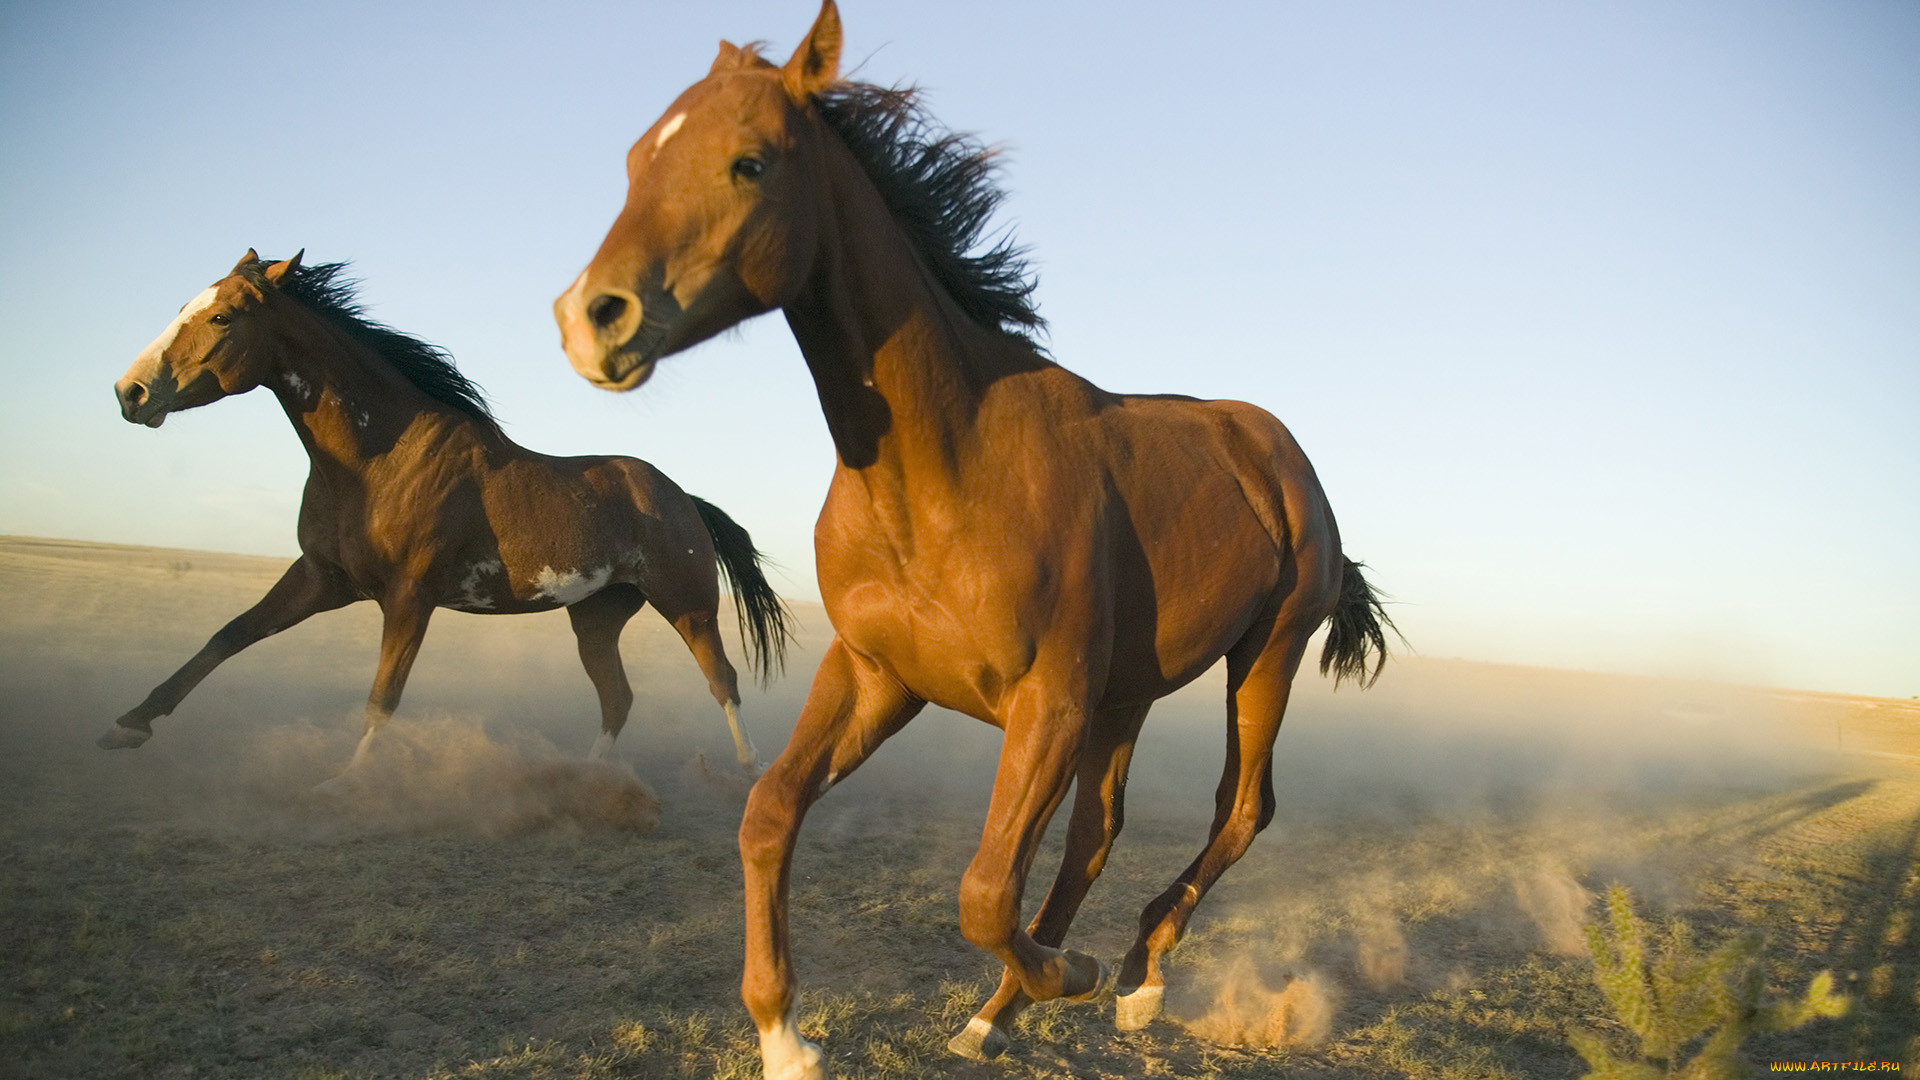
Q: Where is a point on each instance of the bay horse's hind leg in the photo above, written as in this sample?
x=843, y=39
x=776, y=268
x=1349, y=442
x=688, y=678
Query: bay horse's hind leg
x=307, y=588
x=1260, y=674
x=597, y=622
x=700, y=629
x=1098, y=797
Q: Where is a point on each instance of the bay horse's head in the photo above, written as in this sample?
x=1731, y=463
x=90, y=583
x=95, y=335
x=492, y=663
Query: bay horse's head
x=721, y=219
x=216, y=346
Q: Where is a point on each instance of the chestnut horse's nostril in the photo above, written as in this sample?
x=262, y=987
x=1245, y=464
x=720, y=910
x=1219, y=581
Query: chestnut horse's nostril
x=605, y=310
x=132, y=395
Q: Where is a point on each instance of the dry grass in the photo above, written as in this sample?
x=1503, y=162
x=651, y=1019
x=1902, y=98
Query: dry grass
x=482, y=912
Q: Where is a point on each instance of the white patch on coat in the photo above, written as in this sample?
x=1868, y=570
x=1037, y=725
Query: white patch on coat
x=565, y=587
x=667, y=130
x=298, y=385
x=471, y=597
x=148, y=361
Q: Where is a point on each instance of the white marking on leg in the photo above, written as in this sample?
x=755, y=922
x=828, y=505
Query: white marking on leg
x=743, y=750
x=784, y=1055
x=566, y=587
x=667, y=130
x=980, y=1027
x=601, y=746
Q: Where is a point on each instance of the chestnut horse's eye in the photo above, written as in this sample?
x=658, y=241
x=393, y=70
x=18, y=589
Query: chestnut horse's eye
x=748, y=167
x=220, y=318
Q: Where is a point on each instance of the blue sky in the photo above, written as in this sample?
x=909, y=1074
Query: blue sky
x=1601, y=322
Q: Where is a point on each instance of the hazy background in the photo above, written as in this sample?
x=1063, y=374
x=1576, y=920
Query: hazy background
x=1600, y=322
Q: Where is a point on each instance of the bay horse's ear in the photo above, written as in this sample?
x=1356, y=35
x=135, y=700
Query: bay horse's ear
x=246, y=260
x=279, y=271
x=728, y=60
x=815, y=65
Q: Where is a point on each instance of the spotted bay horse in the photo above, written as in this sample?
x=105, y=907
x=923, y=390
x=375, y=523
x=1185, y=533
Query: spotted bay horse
x=416, y=499
x=1001, y=537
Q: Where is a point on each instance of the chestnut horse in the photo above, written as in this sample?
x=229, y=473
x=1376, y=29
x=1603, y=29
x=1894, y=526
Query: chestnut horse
x=1001, y=537
x=416, y=500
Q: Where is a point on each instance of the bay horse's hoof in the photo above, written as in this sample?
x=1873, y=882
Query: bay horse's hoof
x=123, y=738
x=1135, y=1010
x=1081, y=960
x=979, y=1041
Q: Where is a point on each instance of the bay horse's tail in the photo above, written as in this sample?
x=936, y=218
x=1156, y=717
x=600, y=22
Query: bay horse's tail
x=764, y=629
x=1356, y=628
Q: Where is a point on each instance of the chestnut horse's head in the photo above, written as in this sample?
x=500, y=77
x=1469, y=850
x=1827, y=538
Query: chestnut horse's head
x=216, y=346
x=721, y=220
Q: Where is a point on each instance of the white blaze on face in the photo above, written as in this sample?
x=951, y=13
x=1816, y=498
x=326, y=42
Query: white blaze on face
x=147, y=364
x=667, y=130
x=570, y=586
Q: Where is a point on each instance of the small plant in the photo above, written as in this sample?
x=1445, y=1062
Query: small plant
x=1681, y=998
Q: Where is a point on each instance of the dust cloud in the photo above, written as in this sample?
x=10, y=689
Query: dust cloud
x=1456, y=816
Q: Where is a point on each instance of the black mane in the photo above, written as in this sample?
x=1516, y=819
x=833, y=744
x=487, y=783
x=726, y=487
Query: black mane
x=940, y=187
x=325, y=288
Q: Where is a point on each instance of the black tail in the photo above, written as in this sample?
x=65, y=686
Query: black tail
x=764, y=629
x=1358, y=626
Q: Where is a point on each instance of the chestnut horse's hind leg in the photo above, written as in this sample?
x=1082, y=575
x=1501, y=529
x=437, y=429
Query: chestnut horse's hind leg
x=852, y=708
x=1243, y=805
x=404, y=624
x=1098, y=797
x=597, y=622
x=307, y=588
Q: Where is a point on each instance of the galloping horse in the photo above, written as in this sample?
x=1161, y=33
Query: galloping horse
x=416, y=500
x=1001, y=537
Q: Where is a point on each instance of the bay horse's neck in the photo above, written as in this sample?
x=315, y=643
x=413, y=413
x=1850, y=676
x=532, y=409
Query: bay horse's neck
x=900, y=368
x=348, y=404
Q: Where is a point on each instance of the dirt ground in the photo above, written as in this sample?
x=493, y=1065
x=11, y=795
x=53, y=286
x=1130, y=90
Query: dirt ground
x=483, y=905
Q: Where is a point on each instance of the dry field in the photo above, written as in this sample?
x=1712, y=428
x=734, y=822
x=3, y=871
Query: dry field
x=484, y=907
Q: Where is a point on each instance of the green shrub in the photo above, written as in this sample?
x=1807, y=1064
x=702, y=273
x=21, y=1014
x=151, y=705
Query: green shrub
x=1681, y=998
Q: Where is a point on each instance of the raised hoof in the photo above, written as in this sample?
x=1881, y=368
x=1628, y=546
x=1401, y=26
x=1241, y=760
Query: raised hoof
x=1099, y=978
x=979, y=1041
x=1133, y=1011
x=123, y=738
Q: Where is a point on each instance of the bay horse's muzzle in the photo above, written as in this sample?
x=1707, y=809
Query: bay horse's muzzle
x=134, y=398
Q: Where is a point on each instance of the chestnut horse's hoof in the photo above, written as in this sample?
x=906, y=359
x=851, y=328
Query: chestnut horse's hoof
x=1135, y=1010
x=980, y=1040
x=124, y=738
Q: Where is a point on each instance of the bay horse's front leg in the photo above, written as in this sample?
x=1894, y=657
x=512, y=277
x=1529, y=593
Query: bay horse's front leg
x=1098, y=809
x=404, y=623
x=597, y=622
x=852, y=708
x=307, y=588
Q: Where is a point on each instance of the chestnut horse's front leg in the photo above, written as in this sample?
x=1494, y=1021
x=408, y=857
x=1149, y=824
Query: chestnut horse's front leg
x=405, y=613
x=307, y=588
x=852, y=708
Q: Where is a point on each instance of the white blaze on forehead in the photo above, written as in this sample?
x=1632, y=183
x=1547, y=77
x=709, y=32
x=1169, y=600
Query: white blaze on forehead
x=151, y=354
x=569, y=586
x=667, y=130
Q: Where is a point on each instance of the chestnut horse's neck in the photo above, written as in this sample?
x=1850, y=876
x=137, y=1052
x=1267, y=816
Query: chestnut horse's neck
x=348, y=404
x=899, y=367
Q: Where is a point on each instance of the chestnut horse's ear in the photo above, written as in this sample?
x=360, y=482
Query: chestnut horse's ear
x=279, y=271
x=815, y=65
x=246, y=260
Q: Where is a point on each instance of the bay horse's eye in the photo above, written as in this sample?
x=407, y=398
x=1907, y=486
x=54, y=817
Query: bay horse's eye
x=220, y=318
x=748, y=167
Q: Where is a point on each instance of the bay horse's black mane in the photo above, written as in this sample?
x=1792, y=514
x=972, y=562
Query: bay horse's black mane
x=325, y=288
x=940, y=187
